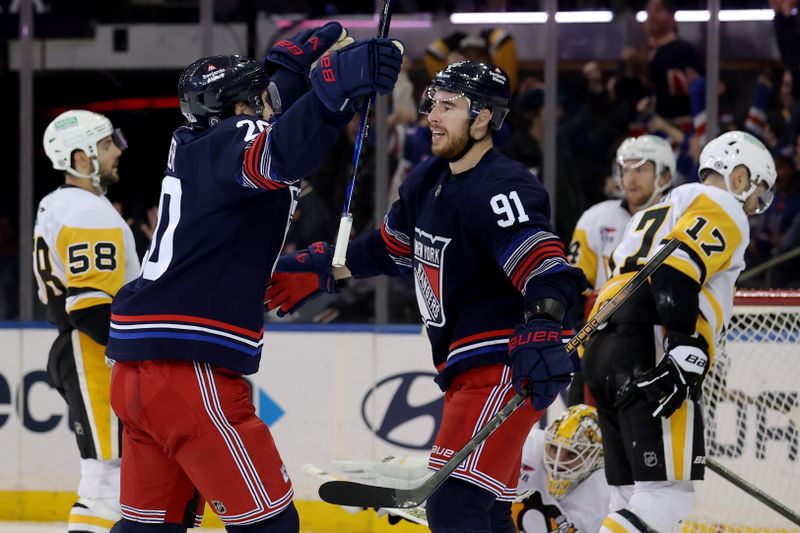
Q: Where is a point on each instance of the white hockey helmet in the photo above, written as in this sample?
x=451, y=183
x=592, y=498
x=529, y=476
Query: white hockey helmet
x=734, y=148
x=573, y=449
x=639, y=150
x=78, y=129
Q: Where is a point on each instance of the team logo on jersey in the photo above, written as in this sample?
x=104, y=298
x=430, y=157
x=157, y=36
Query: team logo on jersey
x=607, y=234
x=428, y=273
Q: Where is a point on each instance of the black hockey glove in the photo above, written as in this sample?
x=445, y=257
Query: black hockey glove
x=299, y=277
x=367, y=66
x=290, y=61
x=538, y=359
x=677, y=376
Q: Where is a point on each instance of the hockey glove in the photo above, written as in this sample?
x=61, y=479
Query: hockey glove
x=300, y=277
x=677, y=376
x=539, y=360
x=363, y=67
x=289, y=62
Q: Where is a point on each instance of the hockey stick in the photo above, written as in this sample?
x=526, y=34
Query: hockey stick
x=346, y=222
x=351, y=493
x=753, y=491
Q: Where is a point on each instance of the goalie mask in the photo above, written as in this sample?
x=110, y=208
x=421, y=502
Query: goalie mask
x=78, y=129
x=636, y=151
x=210, y=87
x=731, y=149
x=484, y=86
x=573, y=449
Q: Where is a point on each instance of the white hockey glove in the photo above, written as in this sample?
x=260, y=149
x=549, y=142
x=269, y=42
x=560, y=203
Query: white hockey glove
x=677, y=376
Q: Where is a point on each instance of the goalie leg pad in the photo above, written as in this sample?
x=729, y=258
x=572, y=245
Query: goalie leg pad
x=461, y=506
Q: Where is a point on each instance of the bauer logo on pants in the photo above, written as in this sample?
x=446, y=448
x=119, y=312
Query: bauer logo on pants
x=428, y=273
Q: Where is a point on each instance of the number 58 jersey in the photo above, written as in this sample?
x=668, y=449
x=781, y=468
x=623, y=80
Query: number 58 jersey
x=83, y=251
x=714, y=232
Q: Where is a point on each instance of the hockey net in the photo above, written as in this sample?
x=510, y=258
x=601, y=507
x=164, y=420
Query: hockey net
x=752, y=415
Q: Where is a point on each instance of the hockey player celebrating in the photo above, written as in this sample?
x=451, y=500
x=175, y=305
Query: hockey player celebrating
x=84, y=252
x=647, y=398
x=191, y=325
x=473, y=229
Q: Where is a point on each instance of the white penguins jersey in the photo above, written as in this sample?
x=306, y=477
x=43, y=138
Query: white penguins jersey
x=714, y=232
x=582, y=509
x=82, y=248
x=596, y=234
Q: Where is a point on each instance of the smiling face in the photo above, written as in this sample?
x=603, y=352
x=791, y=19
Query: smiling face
x=449, y=120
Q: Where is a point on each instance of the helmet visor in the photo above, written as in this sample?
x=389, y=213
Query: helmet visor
x=765, y=195
x=446, y=101
x=119, y=139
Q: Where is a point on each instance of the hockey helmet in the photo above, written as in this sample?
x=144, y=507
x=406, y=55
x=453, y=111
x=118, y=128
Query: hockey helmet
x=78, y=129
x=573, y=449
x=484, y=86
x=209, y=88
x=735, y=148
x=636, y=151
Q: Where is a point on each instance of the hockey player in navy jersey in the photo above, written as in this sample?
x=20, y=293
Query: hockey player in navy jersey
x=191, y=325
x=472, y=227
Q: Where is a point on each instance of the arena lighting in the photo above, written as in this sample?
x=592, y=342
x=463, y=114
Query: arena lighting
x=354, y=23
x=725, y=15
x=532, y=17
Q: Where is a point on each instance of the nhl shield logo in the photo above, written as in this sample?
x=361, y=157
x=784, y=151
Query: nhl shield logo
x=650, y=459
x=428, y=271
x=219, y=507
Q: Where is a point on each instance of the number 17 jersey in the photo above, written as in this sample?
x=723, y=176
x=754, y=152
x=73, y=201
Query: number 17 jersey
x=713, y=232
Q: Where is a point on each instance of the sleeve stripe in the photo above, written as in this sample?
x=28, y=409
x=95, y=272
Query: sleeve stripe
x=257, y=165
x=522, y=246
x=394, y=245
x=538, y=256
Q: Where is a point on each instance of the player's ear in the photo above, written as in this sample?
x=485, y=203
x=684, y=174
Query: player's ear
x=81, y=162
x=665, y=178
x=483, y=118
x=241, y=108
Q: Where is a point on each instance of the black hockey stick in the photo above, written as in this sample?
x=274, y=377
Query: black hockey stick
x=346, y=222
x=360, y=495
x=753, y=491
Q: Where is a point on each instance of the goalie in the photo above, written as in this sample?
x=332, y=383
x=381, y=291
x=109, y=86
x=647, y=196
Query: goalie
x=562, y=484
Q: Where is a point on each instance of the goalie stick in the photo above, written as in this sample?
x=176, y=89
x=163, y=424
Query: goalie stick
x=358, y=494
x=753, y=491
x=346, y=222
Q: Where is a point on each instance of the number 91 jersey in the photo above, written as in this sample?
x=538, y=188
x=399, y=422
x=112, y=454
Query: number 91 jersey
x=83, y=249
x=714, y=232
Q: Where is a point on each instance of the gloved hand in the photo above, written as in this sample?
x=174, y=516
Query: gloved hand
x=677, y=376
x=299, y=277
x=361, y=68
x=289, y=62
x=538, y=359
x=299, y=52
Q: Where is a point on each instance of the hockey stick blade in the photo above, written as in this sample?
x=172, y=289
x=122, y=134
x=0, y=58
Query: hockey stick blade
x=352, y=493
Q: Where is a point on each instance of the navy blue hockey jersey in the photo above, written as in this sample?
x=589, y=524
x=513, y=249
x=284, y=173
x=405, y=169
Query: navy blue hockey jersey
x=480, y=248
x=226, y=204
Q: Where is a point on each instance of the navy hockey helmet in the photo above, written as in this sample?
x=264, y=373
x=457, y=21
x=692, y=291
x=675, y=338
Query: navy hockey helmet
x=483, y=85
x=209, y=88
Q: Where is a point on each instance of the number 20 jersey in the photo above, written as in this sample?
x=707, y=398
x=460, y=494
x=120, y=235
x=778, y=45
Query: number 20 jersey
x=714, y=232
x=223, y=216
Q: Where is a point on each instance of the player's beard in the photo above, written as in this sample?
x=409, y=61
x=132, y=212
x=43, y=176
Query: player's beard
x=109, y=176
x=454, y=143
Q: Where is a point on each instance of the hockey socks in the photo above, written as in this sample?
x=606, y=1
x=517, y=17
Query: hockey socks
x=624, y=521
x=90, y=517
